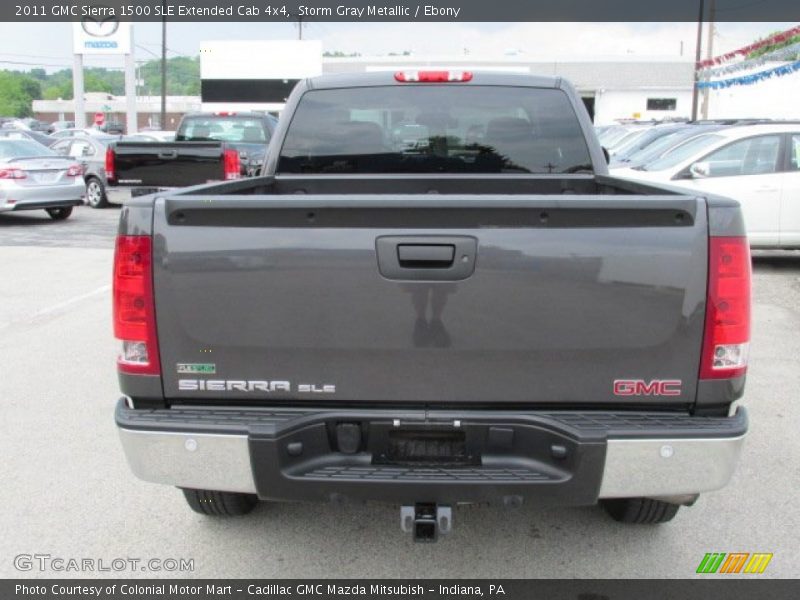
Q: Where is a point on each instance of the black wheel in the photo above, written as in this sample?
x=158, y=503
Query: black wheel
x=95, y=193
x=220, y=504
x=59, y=214
x=640, y=510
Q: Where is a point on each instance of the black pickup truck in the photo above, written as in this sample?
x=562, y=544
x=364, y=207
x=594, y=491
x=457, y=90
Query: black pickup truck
x=433, y=295
x=208, y=147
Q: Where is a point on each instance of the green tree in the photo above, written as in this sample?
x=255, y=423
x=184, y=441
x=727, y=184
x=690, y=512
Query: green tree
x=17, y=93
x=18, y=89
x=97, y=82
x=183, y=76
x=59, y=90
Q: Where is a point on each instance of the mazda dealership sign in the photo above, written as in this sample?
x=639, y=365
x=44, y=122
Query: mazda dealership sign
x=101, y=35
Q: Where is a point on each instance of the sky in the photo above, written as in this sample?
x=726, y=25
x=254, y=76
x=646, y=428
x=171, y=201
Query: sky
x=28, y=45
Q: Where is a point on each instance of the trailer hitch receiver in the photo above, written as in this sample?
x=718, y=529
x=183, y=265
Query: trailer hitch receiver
x=426, y=521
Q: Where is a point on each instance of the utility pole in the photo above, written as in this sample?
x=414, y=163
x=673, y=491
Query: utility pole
x=697, y=52
x=163, y=66
x=131, y=118
x=77, y=91
x=709, y=52
x=300, y=27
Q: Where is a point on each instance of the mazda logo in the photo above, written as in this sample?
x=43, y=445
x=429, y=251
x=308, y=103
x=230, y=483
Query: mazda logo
x=100, y=26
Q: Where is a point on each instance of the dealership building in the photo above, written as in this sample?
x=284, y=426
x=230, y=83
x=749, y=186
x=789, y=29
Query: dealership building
x=612, y=88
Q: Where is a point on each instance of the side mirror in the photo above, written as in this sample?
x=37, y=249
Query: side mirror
x=606, y=154
x=700, y=170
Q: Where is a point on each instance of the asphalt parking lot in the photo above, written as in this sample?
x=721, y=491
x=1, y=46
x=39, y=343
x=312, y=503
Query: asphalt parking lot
x=67, y=491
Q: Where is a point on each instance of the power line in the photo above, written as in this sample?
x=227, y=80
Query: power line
x=176, y=52
x=30, y=55
x=32, y=64
x=61, y=66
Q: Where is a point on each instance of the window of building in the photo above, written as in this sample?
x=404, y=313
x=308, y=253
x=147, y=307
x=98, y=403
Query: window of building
x=662, y=103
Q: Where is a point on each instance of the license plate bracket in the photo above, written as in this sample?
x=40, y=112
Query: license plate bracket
x=427, y=447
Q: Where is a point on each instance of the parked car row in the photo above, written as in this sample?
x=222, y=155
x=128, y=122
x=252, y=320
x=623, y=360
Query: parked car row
x=56, y=172
x=756, y=162
x=234, y=144
x=29, y=124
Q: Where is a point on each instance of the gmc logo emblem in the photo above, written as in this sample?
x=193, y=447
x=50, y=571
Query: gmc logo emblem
x=639, y=387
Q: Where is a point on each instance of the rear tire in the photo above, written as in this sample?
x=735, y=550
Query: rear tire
x=95, y=193
x=642, y=511
x=59, y=214
x=220, y=504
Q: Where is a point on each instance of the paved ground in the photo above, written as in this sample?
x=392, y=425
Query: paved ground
x=67, y=491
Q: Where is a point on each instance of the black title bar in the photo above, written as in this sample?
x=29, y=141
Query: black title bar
x=733, y=588
x=397, y=10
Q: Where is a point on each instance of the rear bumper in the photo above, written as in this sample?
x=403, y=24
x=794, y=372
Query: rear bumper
x=42, y=196
x=556, y=458
x=121, y=195
x=118, y=195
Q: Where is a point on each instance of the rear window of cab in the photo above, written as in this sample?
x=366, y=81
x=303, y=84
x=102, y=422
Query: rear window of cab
x=435, y=128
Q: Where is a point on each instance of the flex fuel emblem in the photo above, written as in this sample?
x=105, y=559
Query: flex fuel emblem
x=206, y=368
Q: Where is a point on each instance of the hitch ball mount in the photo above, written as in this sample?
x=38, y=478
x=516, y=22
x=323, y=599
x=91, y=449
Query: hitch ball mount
x=426, y=521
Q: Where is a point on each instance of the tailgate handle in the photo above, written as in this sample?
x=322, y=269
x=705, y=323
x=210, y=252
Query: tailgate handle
x=167, y=154
x=425, y=256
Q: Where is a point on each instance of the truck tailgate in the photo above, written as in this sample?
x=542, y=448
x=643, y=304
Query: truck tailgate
x=543, y=299
x=168, y=164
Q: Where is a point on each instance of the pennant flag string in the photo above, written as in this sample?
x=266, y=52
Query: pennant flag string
x=780, y=55
x=752, y=78
x=778, y=38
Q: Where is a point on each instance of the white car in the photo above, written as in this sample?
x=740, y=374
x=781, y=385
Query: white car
x=757, y=165
x=72, y=132
x=150, y=136
x=34, y=177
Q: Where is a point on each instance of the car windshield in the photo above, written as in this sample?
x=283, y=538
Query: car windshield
x=612, y=134
x=22, y=148
x=629, y=138
x=681, y=152
x=435, y=129
x=660, y=146
x=627, y=150
x=233, y=128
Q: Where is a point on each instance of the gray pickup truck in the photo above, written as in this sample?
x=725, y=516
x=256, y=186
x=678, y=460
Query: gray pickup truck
x=434, y=294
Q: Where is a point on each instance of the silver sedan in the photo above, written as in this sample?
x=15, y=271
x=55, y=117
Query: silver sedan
x=34, y=177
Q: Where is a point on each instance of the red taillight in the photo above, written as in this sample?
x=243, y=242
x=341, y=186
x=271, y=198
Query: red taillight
x=432, y=76
x=225, y=113
x=12, y=174
x=133, y=305
x=74, y=171
x=110, y=164
x=727, y=330
x=231, y=167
